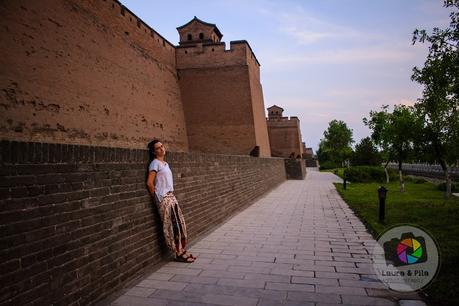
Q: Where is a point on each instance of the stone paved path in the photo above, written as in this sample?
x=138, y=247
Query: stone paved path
x=298, y=245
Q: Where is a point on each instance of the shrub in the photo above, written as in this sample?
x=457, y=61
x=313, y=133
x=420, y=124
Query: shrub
x=364, y=174
x=415, y=180
x=326, y=165
x=442, y=187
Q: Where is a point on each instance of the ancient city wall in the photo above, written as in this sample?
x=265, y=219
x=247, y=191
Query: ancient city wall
x=222, y=98
x=258, y=107
x=218, y=109
x=211, y=55
x=86, y=72
x=285, y=136
x=77, y=222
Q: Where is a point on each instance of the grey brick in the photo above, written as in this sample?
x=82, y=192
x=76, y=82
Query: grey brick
x=314, y=281
x=313, y=297
x=194, y=279
x=268, y=277
x=223, y=274
x=242, y=283
x=160, y=276
x=290, y=287
x=183, y=271
x=127, y=300
x=362, y=300
x=341, y=290
x=156, y=284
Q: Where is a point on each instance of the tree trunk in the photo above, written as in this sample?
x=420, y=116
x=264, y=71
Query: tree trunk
x=447, y=179
x=402, y=183
x=387, y=172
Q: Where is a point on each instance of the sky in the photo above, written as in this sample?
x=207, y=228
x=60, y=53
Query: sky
x=320, y=59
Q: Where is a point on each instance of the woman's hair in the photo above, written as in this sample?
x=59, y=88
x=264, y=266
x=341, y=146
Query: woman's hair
x=151, y=148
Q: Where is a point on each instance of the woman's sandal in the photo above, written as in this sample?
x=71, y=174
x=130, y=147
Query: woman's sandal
x=190, y=255
x=185, y=257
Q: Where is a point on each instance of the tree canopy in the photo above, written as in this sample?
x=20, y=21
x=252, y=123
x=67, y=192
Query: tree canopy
x=365, y=153
x=439, y=104
x=335, y=147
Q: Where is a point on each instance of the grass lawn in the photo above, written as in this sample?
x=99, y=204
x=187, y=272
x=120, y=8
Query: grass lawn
x=338, y=171
x=421, y=204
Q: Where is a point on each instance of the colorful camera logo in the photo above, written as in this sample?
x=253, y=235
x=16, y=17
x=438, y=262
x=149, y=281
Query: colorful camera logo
x=407, y=250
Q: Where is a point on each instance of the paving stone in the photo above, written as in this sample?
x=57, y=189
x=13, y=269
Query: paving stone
x=127, y=300
x=334, y=263
x=245, y=283
x=298, y=245
x=268, y=277
x=314, y=268
x=313, y=297
x=290, y=287
x=199, y=297
x=391, y=294
x=361, y=300
x=361, y=284
x=156, y=284
x=314, y=281
x=355, y=270
x=291, y=272
x=183, y=271
x=140, y=291
x=160, y=276
x=249, y=269
x=222, y=274
x=236, y=291
x=208, y=266
x=341, y=290
x=270, y=302
x=229, y=300
x=337, y=275
x=194, y=279
x=237, y=262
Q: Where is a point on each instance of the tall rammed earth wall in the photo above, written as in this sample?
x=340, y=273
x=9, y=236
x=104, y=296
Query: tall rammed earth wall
x=222, y=98
x=285, y=137
x=76, y=222
x=86, y=72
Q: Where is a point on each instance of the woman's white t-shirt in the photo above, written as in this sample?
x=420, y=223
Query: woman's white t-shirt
x=163, y=179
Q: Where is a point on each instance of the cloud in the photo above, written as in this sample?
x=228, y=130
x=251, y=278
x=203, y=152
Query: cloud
x=365, y=54
x=306, y=37
x=305, y=27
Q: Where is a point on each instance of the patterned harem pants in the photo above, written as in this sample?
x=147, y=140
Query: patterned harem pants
x=174, y=226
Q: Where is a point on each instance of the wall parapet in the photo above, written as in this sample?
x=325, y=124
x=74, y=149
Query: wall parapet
x=140, y=22
x=77, y=222
x=215, y=55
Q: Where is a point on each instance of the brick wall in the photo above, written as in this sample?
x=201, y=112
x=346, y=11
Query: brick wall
x=86, y=72
x=76, y=221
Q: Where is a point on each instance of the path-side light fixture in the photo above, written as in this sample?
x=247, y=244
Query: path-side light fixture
x=382, y=193
x=344, y=182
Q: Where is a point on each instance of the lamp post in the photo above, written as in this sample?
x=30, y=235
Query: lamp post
x=344, y=182
x=382, y=193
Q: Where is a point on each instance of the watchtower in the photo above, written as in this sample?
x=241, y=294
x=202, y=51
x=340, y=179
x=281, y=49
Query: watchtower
x=284, y=134
x=221, y=92
x=198, y=31
x=275, y=112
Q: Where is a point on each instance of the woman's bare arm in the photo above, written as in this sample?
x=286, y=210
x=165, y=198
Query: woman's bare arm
x=151, y=182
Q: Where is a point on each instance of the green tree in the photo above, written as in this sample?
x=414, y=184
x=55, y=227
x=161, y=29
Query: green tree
x=365, y=153
x=335, y=147
x=439, y=104
x=396, y=133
